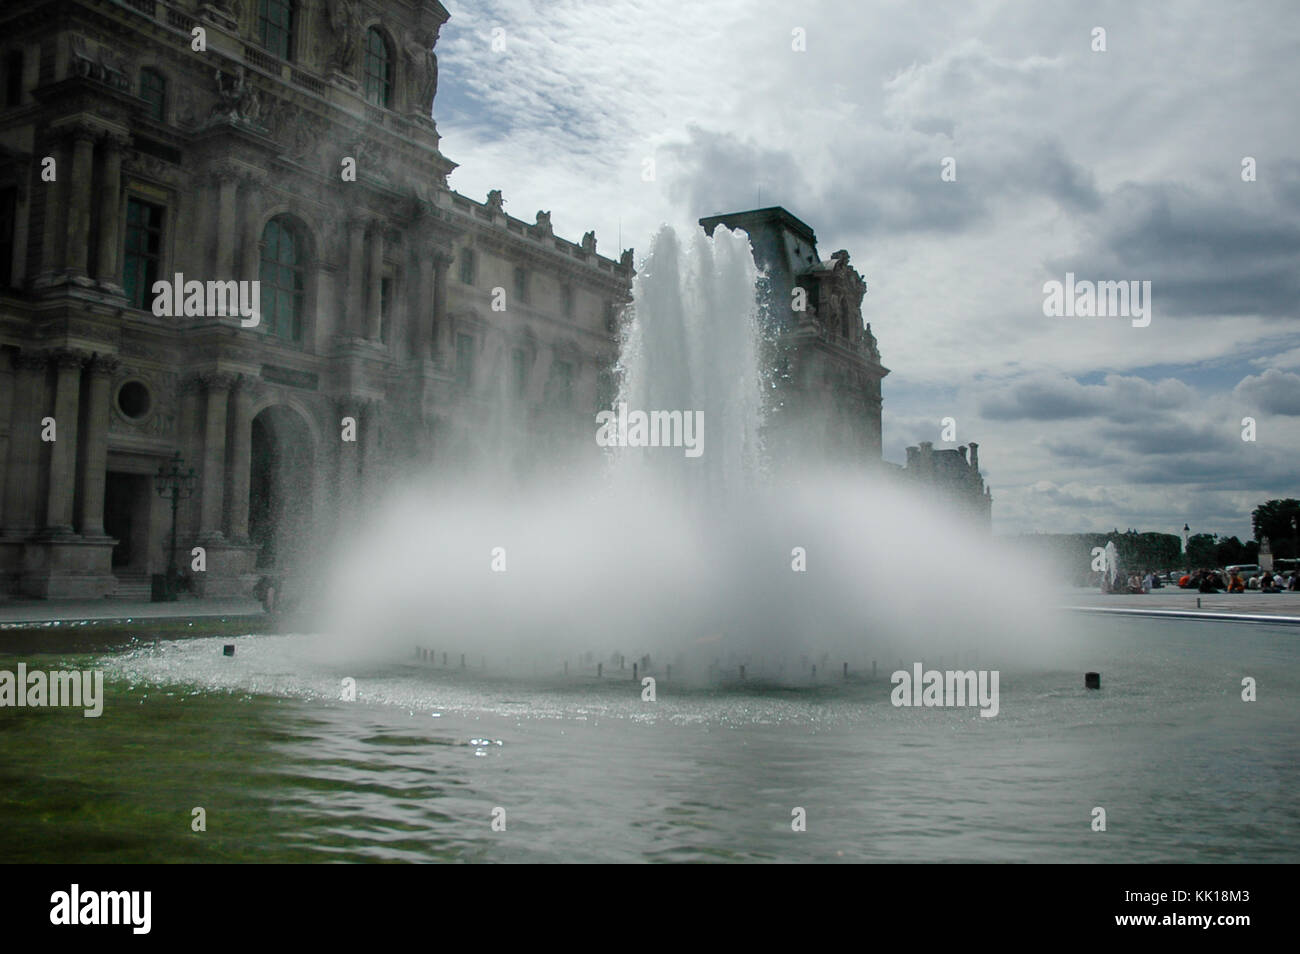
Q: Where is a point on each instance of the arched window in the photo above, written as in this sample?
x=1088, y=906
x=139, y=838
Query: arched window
x=275, y=26
x=379, y=69
x=282, y=276
x=153, y=90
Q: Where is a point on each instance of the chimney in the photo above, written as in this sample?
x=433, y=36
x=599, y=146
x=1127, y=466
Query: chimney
x=974, y=457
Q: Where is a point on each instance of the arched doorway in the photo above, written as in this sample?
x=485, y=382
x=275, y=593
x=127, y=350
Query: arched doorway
x=280, y=487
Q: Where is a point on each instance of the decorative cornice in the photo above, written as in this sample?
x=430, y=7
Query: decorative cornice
x=31, y=360
x=104, y=364
x=66, y=359
x=217, y=380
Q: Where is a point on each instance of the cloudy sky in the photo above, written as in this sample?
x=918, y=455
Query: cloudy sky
x=1125, y=164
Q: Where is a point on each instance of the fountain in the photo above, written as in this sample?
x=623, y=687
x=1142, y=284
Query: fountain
x=699, y=560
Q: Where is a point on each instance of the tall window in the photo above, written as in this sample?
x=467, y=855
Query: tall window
x=385, y=308
x=8, y=223
x=379, y=69
x=275, y=25
x=521, y=284
x=143, y=259
x=566, y=300
x=562, y=384
x=464, y=361
x=519, y=365
x=153, y=90
x=467, y=266
x=14, y=78
x=282, y=280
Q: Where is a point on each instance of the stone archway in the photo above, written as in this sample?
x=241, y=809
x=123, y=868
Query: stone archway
x=280, y=487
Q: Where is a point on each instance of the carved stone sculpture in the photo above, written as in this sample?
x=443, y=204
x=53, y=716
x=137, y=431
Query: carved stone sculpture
x=345, y=26
x=421, y=71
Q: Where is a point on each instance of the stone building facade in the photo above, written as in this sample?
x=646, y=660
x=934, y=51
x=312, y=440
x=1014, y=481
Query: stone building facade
x=952, y=476
x=297, y=148
x=824, y=362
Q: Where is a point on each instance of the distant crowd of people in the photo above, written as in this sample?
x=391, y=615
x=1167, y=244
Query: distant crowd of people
x=1214, y=581
x=1207, y=581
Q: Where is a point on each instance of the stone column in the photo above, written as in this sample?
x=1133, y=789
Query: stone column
x=245, y=394
x=227, y=188
x=22, y=480
x=78, y=209
x=63, y=450
x=93, y=463
x=420, y=330
x=189, y=438
x=374, y=314
x=440, y=330
x=356, y=271
x=7, y=401
x=54, y=232
x=250, y=205
x=349, y=458
x=372, y=472
x=213, y=477
x=108, y=272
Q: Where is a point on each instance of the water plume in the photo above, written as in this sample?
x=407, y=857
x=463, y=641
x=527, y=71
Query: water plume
x=690, y=561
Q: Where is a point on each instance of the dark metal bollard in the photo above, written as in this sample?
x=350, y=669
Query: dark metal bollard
x=634, y=667
x=1092, y=680
x=846, y=670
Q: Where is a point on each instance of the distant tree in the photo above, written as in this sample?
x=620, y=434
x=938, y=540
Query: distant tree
x=1272, y=519
x=1231, y=550
x=1200, y=550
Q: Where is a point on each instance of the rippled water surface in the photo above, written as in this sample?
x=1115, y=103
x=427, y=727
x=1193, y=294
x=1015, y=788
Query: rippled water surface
x=587, y=771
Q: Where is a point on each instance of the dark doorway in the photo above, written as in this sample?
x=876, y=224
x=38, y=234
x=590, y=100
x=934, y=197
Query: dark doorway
x=126, y=517
x=279, y=487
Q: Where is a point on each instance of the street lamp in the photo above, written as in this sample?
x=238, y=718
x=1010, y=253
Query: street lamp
x=172, y=481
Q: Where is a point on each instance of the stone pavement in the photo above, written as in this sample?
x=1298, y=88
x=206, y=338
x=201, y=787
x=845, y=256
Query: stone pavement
x=1172, y=600
x=19, y=612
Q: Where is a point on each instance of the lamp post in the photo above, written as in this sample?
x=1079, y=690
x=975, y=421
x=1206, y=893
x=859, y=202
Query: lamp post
x=172, y=482
x=1295, y=554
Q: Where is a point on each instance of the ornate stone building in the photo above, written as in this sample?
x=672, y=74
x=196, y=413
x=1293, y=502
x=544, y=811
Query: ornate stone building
x=289, y=142
x=826, y=370
x=825, y=364
x=953, y=477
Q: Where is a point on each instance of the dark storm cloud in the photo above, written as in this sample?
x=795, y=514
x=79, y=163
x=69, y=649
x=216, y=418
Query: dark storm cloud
x=878, y=188
x=1230, y=251
x=716, y=172
x=1146, y=436
x=1273, y=392
x=1049, y=398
